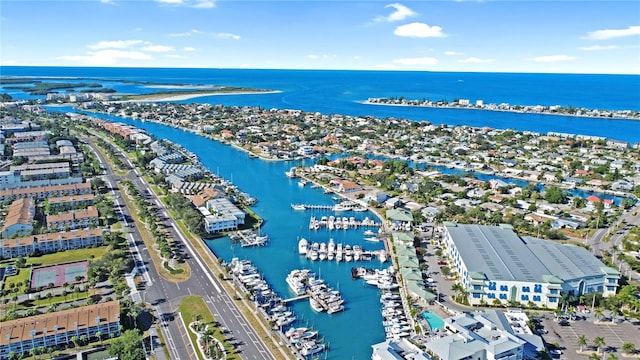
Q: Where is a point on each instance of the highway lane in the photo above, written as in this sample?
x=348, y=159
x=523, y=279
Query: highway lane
x=165, y=296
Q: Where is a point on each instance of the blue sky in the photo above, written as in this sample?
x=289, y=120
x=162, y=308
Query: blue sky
x=495, y=36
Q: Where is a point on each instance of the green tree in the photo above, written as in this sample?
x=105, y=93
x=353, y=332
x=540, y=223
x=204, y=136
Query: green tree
x=598, y=342
x=628, y=348
x=555, y=195
x=582, y=342
x=128, y=346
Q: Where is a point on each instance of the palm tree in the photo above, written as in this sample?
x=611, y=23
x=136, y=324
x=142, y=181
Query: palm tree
x=457, y=288
x=612, y=356
x=99, y=336
x=598, y=313
x=594, y=356
x=582, y=342
x=598, y=342
x=83, y=339
x=629, y=348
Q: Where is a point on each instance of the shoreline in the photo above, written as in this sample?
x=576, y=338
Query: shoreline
x=367, y=102
x=188, y=96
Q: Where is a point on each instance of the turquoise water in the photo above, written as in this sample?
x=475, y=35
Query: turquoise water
x=341, y=92
x=349, y=334
x=434, y=321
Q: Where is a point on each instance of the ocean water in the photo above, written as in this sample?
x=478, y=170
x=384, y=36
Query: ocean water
x=341, y=92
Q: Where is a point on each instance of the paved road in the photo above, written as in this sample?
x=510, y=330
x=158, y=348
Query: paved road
x=164, y=296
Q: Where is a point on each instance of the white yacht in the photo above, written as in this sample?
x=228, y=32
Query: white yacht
x=302, y=246
x=316, y=348
x=298, y=207
x=291, y=173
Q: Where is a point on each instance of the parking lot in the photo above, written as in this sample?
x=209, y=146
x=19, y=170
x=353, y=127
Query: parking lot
x=567, y=336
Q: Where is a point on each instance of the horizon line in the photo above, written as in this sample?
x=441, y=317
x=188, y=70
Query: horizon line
x=307, y=69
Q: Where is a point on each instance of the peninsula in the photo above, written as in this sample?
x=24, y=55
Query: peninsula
x=530, y=109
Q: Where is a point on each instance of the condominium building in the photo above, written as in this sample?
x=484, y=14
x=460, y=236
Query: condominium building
x=221, y=215
x=73, y=220
x=43, y=192
x=495, y=264
x=51, y=242
x=19, y=219
x=58, y=328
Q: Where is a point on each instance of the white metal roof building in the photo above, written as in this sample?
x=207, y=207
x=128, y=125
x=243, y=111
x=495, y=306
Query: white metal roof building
x=495, y=264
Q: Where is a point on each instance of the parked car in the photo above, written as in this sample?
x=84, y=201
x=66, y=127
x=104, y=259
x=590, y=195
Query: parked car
x=442, y=263
x=555, y=353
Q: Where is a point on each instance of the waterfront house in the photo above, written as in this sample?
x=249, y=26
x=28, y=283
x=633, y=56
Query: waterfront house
x=221, y=215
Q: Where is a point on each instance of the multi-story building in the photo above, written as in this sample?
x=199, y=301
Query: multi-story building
x=50, y=242
x=61, y=203
x=495, y=264
x=221, y=215
x=19, y=219
x=73, y=220
x=59, y=328
x=487, y=335
x=43, y=192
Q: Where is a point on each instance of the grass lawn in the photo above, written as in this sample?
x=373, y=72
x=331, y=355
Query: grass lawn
x=53, y=259
x=194, y=305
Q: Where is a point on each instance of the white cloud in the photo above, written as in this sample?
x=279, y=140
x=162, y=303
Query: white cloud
x=157, y=48
x=109, y=2
x=416, y=61
x=475, y=60
x=176, y=56
x=613, y=33
x=106, y=57
x=552, y=58
x=8, y=62
x=323, y=56
x=401, y=12
x=419, y=30
x=115, y=44
x=385, y=66
x=452, y=53
x=598, y=47
x=228, y=36
x=189, y=48
x=198, y=4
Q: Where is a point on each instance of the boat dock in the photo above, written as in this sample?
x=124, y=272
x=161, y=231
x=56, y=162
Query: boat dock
x=301, y=297
x=311, y=207
x=341, y=223
x=248, y=238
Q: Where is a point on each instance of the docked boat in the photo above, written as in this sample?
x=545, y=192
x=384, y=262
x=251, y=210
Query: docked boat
x=316, y=305
x=357, y=252
x=369, y=233
x=302, y=182
x=382, y=255
x=291, y=173
x=372, y=239
x=311, y=350
x=302, y=246
x=348, y=255
x=335, y=308
x=298, y=207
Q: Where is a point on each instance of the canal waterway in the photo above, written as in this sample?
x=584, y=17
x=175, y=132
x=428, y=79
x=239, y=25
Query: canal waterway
x=266, y=181
x=349, y=334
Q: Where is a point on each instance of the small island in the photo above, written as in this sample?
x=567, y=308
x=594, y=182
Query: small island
x=533, y=109
x=80, y=90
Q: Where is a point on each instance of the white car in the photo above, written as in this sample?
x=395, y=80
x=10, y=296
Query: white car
x=555, y=352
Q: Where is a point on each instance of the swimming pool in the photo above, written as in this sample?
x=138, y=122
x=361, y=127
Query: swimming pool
x=434, y=321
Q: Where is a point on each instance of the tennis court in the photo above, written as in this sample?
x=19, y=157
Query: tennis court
x=58, y=274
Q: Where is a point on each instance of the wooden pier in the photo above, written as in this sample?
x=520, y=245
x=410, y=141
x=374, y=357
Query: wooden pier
x=301, y=297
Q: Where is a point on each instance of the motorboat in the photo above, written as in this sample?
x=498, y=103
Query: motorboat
x=298, y=207
x=291, y=173
x=316, y=348
x=302, y=246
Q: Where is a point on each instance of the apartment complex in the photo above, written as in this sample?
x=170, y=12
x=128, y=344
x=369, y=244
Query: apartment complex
x=58, y=328
x=221, y=215
x=51, y=242
x=19, y=219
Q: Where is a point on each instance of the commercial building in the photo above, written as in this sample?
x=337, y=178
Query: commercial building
x=221, y=215
x=496, y=265
x=58, y=328
x=491, y=335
